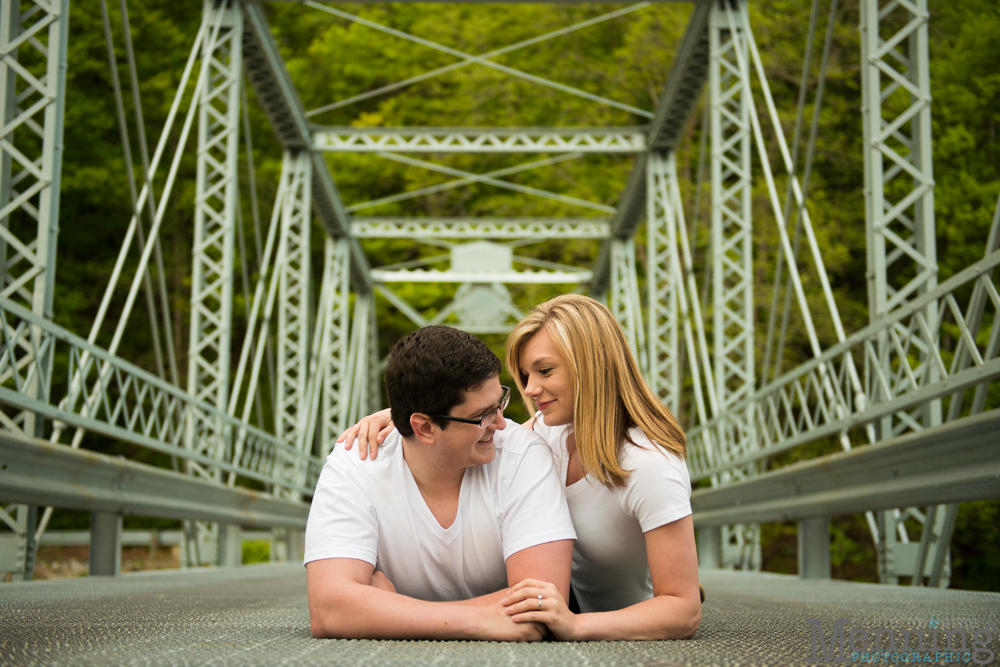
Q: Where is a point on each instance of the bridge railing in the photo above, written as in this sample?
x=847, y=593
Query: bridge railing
x=901, y=368
x=88, y=388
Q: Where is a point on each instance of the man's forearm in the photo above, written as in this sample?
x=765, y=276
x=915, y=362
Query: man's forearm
x=481, y=601
x=549, y=561
x=357, y=611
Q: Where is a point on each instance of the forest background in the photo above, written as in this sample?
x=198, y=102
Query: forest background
x=626, y=59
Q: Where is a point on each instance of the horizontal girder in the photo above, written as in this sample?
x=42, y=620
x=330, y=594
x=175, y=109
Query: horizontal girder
x=493, y=2
x=43, y=473
x=953, y=462
x=479, y=228
x=480, y=140
x=510, y=277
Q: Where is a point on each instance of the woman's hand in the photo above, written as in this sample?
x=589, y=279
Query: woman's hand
x=370, y=432
x=523, y=604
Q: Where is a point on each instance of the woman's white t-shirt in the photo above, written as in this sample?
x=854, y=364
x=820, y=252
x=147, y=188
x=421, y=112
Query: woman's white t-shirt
x=610, y=570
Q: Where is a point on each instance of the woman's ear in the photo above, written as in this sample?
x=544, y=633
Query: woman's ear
x=423, y=427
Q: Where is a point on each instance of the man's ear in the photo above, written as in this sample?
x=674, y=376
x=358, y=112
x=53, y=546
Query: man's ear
x=423, y=427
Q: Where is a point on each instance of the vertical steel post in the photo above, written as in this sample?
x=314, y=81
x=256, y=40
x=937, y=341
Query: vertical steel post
x=105, y=544
x=709, y=548
x=294, y=538
x=357, y=360
x=230, y=545
x=294, y=276
x=333, y=359
x=814, y=548
x=624, y=300
x=374, y=360
x=900, y=227
x=732, y=257
x=17, y=550
x=30, y=170
x=663, y=273
x=215, y=208
x=32, y=106
x=216, y=192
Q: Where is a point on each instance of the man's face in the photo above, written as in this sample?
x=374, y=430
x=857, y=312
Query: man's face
x=466, y=445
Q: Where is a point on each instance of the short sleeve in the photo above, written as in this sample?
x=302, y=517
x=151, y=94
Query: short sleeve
x=342, y=520
x=658, y=489
x=534, y=508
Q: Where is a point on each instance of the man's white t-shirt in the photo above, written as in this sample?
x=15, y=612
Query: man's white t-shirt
x=610, y=570
x=373, y=511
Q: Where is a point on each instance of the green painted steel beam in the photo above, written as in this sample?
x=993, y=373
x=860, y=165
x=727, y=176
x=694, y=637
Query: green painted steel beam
x=37, y=472
x=277, y=94
x=494, y=2
x=955, y=462
x=680, y=96
x=603, y=140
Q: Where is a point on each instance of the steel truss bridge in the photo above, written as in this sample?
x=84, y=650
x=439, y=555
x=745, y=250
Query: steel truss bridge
x=914, y=420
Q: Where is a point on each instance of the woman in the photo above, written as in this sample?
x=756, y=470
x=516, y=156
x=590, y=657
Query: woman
x=620, y=451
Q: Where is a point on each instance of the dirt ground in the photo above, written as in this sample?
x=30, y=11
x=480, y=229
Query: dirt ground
x=55, y=562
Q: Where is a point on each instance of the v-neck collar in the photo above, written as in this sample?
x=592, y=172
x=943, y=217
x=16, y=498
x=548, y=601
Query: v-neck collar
x=424, y=511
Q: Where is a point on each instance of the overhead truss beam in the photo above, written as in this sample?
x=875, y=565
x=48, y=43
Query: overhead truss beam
x=480, y=140
x=480, y=228
x=513, y=2
x=680, y=96
x=511, y=277
x=275, y=91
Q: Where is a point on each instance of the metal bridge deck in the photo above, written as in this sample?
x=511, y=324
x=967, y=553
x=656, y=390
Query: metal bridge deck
x=258, y=615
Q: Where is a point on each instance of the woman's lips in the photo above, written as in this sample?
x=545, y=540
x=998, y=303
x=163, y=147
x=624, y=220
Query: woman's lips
x=545, y=404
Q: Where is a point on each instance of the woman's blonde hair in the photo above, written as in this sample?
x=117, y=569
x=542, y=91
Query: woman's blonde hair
x=609, y=394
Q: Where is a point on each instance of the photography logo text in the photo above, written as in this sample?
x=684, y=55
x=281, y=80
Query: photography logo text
x=886, y=645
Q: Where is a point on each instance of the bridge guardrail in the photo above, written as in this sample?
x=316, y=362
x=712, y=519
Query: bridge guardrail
x=123, y=401
x=954, y=462
x=902, y=368
x=37, y=472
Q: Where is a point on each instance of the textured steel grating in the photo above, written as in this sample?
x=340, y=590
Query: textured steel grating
x=258, y=615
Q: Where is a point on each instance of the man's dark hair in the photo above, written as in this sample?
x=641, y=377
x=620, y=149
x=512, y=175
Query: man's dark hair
x=431, y=369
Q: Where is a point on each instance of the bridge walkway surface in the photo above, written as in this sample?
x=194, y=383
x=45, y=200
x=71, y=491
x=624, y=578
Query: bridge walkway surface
x=257, y=615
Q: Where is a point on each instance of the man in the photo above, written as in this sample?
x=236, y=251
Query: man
x=423, y=542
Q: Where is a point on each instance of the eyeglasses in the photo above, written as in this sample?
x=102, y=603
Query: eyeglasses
x=488, y=418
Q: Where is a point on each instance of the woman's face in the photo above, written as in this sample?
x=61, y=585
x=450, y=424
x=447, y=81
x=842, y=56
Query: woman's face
x=548, y=381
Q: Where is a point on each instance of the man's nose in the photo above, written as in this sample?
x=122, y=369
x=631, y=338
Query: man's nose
x=498, y=424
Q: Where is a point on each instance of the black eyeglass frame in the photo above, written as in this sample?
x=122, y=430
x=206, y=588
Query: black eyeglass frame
x=501, y=406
